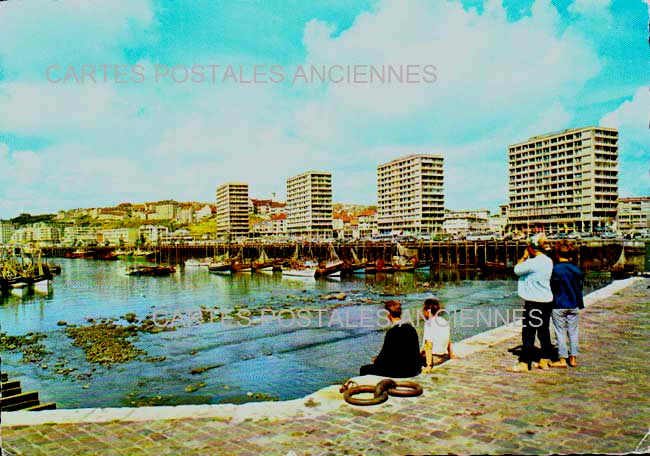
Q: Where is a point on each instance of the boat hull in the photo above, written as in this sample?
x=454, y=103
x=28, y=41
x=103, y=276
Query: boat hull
x=299, y=272
x=43, y=286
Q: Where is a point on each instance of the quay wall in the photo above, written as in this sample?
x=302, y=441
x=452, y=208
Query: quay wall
x=591, y=255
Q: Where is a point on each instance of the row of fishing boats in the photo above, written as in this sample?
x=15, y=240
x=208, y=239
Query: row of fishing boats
x=22, y=272
x=120, y=254
x=332, y=266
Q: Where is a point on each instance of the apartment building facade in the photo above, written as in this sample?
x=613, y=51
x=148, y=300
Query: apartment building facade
x=309, y=205
x=410, y=195
x=6, y=231
x=633, y=214
x=564, y=181
x=73, y=235
x=232, y=210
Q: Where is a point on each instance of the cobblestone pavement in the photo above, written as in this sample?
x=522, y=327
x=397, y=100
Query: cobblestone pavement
x=470, y=406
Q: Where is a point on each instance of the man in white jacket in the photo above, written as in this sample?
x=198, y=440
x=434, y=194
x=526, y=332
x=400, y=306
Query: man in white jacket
x=534, y=270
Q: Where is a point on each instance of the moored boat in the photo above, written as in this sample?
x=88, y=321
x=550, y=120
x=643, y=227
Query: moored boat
x=81, y=253
x=144, y=254
x=263, y=262
x=332, y=266
x=298, y=268
x=380, y=266
x=154, y=271
x=192, y=263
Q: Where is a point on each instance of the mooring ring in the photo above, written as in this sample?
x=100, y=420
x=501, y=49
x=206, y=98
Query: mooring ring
x=349, y=393
x=412, y=389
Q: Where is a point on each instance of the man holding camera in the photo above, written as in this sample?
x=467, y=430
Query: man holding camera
x=534, y=270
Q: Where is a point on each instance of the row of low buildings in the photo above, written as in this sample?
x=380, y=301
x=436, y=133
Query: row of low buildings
x=58, y=234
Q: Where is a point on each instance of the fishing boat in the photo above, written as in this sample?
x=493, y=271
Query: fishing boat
x=110, y=256
x=239, y=265
x=81, y=253
x=221, y=265
x=206, y=262
x=406, y=260
x=299, y=268
x=124, y=254
x=356, y=266
x=263, y=262
x=154, y=271
x=144, y=254
x=53, y=268
x=380, y=266
x=192, y=263
x=330, y=267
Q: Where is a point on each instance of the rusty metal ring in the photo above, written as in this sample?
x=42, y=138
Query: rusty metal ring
x=349, y=393
x=413, y=389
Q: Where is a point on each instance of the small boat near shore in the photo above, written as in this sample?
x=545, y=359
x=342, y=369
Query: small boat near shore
x=192, y=263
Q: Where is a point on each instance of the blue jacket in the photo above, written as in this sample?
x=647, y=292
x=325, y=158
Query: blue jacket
x=566, y=283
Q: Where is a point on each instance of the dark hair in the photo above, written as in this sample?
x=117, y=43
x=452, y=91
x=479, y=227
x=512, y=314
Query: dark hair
x=432, y=305
x=394, y=308
x=565, y=249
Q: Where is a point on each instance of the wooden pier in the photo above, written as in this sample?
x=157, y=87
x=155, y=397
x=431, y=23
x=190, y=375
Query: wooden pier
x=591, y=255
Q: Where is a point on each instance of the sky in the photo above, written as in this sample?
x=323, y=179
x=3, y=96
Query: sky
x=504, y=71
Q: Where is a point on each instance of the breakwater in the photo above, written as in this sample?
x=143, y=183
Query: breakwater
x=591, y=255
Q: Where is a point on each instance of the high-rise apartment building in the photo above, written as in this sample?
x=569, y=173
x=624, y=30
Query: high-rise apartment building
x=410, y=195
x=564, y=181
x=309, y=205
x=232, y=210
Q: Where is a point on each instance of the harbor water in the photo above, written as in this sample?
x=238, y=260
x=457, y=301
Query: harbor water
x=305, y=339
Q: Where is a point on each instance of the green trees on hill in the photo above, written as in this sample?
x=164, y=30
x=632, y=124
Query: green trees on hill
x=28, y=219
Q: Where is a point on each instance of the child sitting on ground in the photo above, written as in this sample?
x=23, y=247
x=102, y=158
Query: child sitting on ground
x=436, y=347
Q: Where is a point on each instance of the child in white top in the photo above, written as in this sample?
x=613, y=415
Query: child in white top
x=436, y=346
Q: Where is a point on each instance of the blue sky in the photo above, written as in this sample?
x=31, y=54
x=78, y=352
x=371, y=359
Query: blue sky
x=504, y=71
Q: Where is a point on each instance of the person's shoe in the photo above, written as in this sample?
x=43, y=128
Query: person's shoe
x=573, y=362
x=543, y=364
x=560, y=363
x=519, y=367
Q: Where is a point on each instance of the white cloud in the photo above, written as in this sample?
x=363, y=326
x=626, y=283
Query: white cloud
x=497, y=82
x=631, y=119
x=38, y=33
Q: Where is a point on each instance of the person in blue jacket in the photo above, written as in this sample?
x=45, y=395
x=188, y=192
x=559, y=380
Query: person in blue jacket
x=566, y=283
